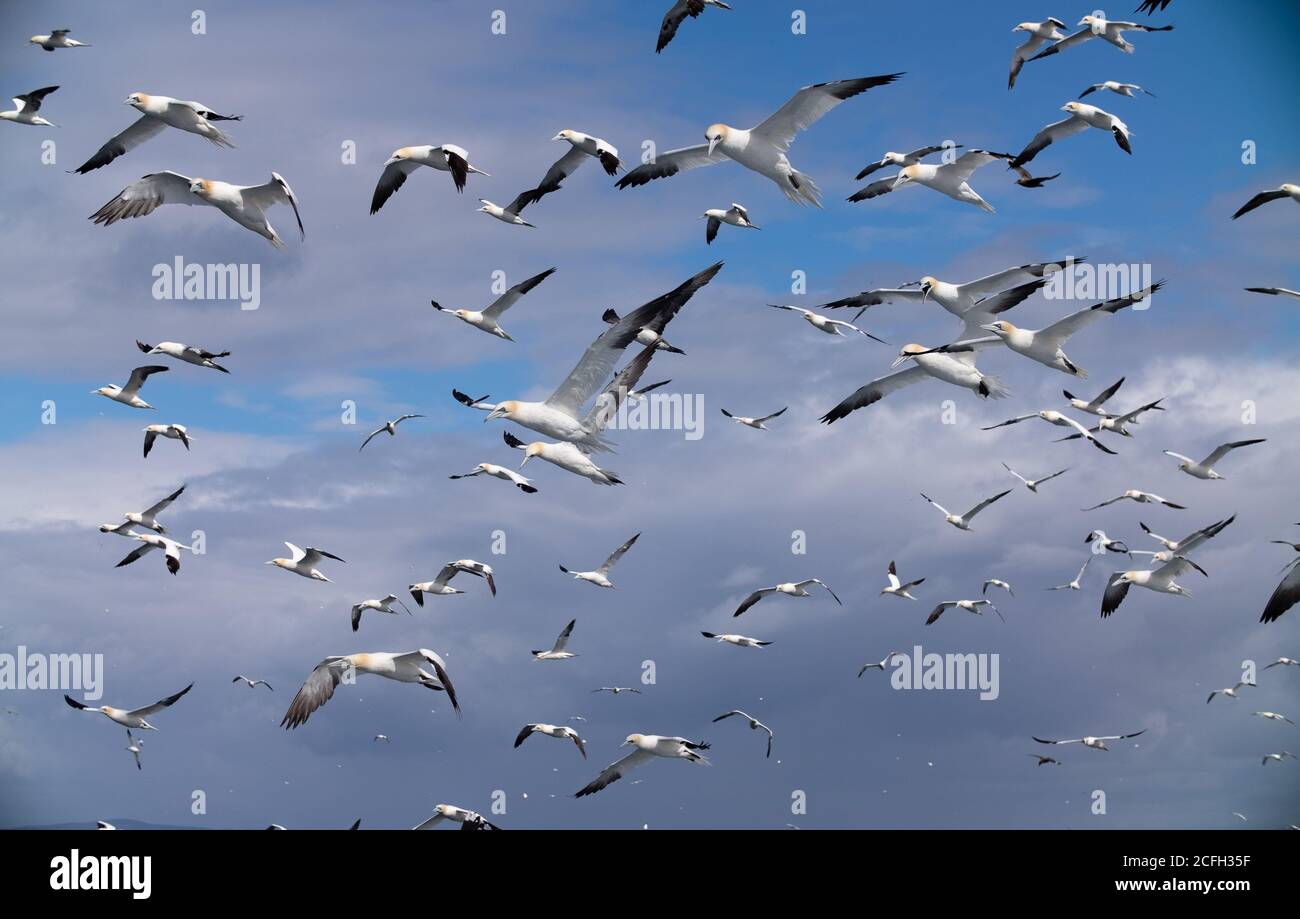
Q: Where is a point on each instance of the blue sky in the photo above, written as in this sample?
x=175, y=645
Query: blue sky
x=345, y=316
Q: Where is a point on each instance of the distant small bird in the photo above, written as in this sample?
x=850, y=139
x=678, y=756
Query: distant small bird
x=1044, y=760
x=150, y=541
x=26, y=106
x=389, y=426
x=468, y=819
x=383, y=737
x=1027, y=180
x=133, y=745
x=1279, y=757
x=897, y=588
x=1076, y=584
x=994, y=582
x=1283, y=662
x=558, y=731
x=970, y=606
x=677, y=13
x=186, y=353
x=1273, y=716
x=756, y=423
x=1099, y=538
x=170, y=431
x=303, y=562
x=1123, y=89
x=734, y=216
x=384, y=605
x=130, y=393
x=486, y=320
x=880, y=664
x=754, y=725
x=558, y=652
x=499, y=472
x=962, y=521
x=57, y=39
x=789, y=589
x=1230, y=692
x=600, y=577
x=1141, y=497
x=1032, y=484
x=251, y=684
x=1096, y=743
x=740, y=641
x=617, y=689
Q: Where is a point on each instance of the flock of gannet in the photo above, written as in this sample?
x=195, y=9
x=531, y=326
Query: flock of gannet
x=578, y=412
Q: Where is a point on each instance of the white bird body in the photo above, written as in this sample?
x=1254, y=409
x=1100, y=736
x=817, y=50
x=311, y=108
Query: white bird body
x=1161, y=580
x=130, y=393
x=190, y=355
x=157, y=113
x=754, y=725
x=251, y=684
x=129, y=718
x=440, y=586
x=962, y=521
x=403, y=667
x=1096, y=743
x=1230, y=692
x=405, y=160
x=1076, y=584
x=1039, y=32
x=1121, y=89
x=600, y=577
x=825, y=323
x=1111, y=31
x=149, y=542
x=1278, y=757
x=1058, y=419
x=558, y=651
x=740, y=641
x=26, y=106
x=388, y=427
x=56, y=39
x=880, y=664
x=970, y=606
x=303, y=562
x=508, y=214
x=789, y=589
x=756, y=423
x=558, y=731
x=648, y=747
x=897, y=588
x=147, y=518
x=951, y=179
x=1032, y=484
x=383, y=605
x=499, y=472
x=169, y=431
x=1204, y=469
x=567, y=456
x=486, y=320
x=734, y=216
x=1273, y=716
x=468, y=819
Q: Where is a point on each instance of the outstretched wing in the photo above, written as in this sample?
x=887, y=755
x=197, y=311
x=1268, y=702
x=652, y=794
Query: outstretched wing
x=810, y=104
x=160, y=704
x=615, y=771
x=276, y=191
x=145, y=127
x=562, y=641
x=1050, y=135
x=617, y=554
x=163, y=504
x=875, y=391
x=669, y=163
x=511, y=296
x=1056, y=333
x=390, y=180
x=141, y=198
x=315, y=692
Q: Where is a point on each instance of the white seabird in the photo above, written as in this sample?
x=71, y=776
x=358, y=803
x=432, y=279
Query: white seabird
x=558, y=652
x=405, y=160
x=734, y=216
x=1076, y=584
x=245, y=204
x=880, y=664
x=1205, y=468
x=1106, y=544
x=677, y=13
x=1269, y=716
x=649, y=335
x=1032, y=484
x=384, y=605
x=404, y=667
x=251, y=684
x=389, y=426
x=1122, y=89
x=1141, y=497
x=789, y=589
x=1094, y=406
x=510, y=213
x=487, y=320
x=962, y=521
x=1185, y=545
x=970, y=606
x=1118, y=424
x=133, y=745
x=190, y=355
x=582, y=146
x=26, y=106
x=756, y=423
x=600, y=577
x=951, y=179
x=1080, y=117
x=1286, y=190
x=1278, y=757
x=1096, y=743
x=468, y=819
x=478, y=569
x=440, y=586
x=754, y=725
x=897, y=588
x=1230, y=692
x=615, y=690
x=567, y=456
x=903, y=159
x=1053, y=417
x=825, y=323
x=1275, y=291
x=499, y=472
x=130, y=718
x=558, y=731
x=764, y=147
x=130, y=393
x=1039, y=32
x=1100, y=27
x=740, y=641
x=150, y=541
x=1283, y=662
x=996, y=582
x=1161, y=580
x=648, y=746
x=303, y=562
x=170, y=431
x=157, y=113
x=147, y=518
x=58, y=38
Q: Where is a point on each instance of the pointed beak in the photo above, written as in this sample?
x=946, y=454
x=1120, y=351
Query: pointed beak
x=898, y=360
x=713, y=142
x=525, y=462
x=495, y=413
x=558, y=137
x=990, y=328
x=898, y=181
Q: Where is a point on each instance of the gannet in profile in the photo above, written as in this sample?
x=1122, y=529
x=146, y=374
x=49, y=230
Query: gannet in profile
x=1286, y=190
x=756, y=423
x=1122, y=89
x=951, y=179
x=996, y=582
x=648, y=746
x=405, y=160
x=567, y=456
x=582, y=146
x=789, y=589
x=157, y=113
x=557, y=416
x=880, y=664
x=825, y=323
x=384, y=605
x=1100, y=27
x=468, y=819
x=1032, y=484
x=439, y=586
x=245, y=204
x=58, y=38
x=389, y=426
x=1141, y=497
x=1267, y=716
x=763, y=148
x=903, y=159
x=197, y=356
x=1094, y=406
x=1283, y=662
x=677, y=13
x=970, y=606
x=149, y=542
x=130, y=718
x=510, y=213
x=1101, y=541
x=558, y=731
x=130, y=393
x=1278, y=757
x=754, y=725
x=616, y=690
x=1096, y=743
x=303, y=562
x=1161, y=580
x=740, y=641
x=1039, y=32
x=1081, y=116
x=1205, y=468
x=499, y=472
x=26, y=106
x=962, y=521
x=1045, y=345
x=404, y=667
x=897, y=588
x=1185, y=545
x=487, y=320
x=1053, y=417
x=558, y=652
x=1230, y=692
x=251, y=684
x=1076, y=584
x=133, y=745
x=1275, y=291
x=600, y=577
x=734, y=216
x=147, y=518
x=479, y=570
x=1118, y=424
x=957, y=368
x=170, y=431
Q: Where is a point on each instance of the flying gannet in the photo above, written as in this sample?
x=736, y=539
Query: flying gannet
x=1141, y=497
x=58, y=38
x=962, y=521
x=130, y=393
x=1027, y=180
x=880, y=664
x=170, y=431
x=754, y=725
x=1100, y=27
x=26, y=106
x=763, y=148
x=677, y=13
x=487, y=320
x=996, y=582
x=567, y=456
x=130, y=718
x=1039, y=32
x=1275, y=291
x=600, y=577
x=1076, y=584
x=1230, y=692
x=439, y=586
x=756, y=423
x=648, y=746
x=303, y=562
x=468, y=819
x=558, y=731
x=1032, y=484
x=1285, y=595
x=1269, y=716
x=1205, y=468
x=615, y=690
x=197, y=356
x=558, y=652
x=1094, y=406
x=1161, y=580
x=903, y=159
x=147, y=518
x=582, y=146
x=251, y=684
x=951, y=179
x=133, y=745
x=405, y=160
x=650, y=334
x=150, y=541
x=384, y=605
x=740, y=641
x=970, y=606
x=499, y=472
x=157, y=113
x=1096, y=743
x=1278, y=757
x=1123, y=89
x=1286, y=190
x=1044, y=760
x=1184, y=545
x=789, y=589
x=245, y=204
x=1118, y=424
x=404, y=667
x=1080, y=117
x=1103, y=543
x=897, y=588
x=1053, y=417
x=734, y=216
x=389, y=426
